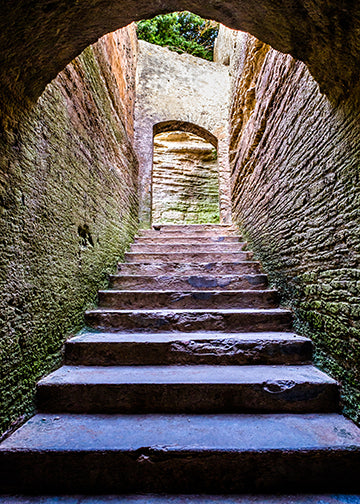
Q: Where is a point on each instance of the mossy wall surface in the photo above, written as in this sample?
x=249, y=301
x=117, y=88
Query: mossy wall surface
x=295, y=162
x=68, y=209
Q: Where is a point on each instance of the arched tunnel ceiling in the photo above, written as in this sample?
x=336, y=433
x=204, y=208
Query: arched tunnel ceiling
x=38, y=38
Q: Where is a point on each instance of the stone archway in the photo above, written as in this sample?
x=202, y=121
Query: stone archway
x=188, y=127
x=185, y=179
x=221, y=145
x=38, y=39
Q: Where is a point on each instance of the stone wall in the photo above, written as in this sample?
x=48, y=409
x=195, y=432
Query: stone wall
x=185, y=181
x=68, y=208
x=295, y=182
x=180, y=87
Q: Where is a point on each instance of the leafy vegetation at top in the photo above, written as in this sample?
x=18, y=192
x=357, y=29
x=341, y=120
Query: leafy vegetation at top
x=181, y=32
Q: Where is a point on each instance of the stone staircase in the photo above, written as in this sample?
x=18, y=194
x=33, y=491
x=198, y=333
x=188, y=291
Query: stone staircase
x=188, y=380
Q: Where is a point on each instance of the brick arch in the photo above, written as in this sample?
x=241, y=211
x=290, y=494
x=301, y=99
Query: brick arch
x=38, y=39
x=188, y=127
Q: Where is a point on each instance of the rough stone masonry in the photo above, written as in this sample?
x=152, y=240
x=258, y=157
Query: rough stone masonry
x=295, y=186
x=68, y=208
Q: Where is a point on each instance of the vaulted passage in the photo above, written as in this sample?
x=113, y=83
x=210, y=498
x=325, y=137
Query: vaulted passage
x=199, y=345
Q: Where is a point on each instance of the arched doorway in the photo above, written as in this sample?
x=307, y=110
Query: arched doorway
x=185, y=181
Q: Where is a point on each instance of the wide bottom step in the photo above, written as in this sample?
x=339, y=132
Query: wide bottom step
x=183, y=499
x=182, y=454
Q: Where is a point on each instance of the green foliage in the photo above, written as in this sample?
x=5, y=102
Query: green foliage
x=181, y=32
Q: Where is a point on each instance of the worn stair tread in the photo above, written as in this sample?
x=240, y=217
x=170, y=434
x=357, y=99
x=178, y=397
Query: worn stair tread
x=206, y=233
x=210, y=225
x=165, y=311
x=183, y=499
x=192, y=226
x=124, y=298
x=187, y=257
x=223, y=453
x=183, y=233
x=214, y=267
x=189, y=228
x=188, y=238
x=133, y=337
x=187, y=247
x=104, y=348
x=182, y=433
x=191, y=319
x=189, y=282
x=187, y=389
x=196, y=265
x=198, y=233
x=222, y=280
x=198, y=292
x=172, y=243
x=279, y=377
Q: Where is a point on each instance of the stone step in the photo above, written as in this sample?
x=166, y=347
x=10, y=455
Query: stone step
x=165, y=248
x=188, y=239
x=189, y=283
x=188, y=228
x=108, y=349
x=207, y=268
x=197, y=454
x=131, y=299
x=188, y=257
x=190, y=231
x=183, y=499
x=157, y=235
x=187, y=389
x=187, y=320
